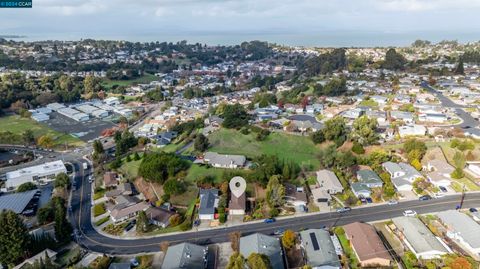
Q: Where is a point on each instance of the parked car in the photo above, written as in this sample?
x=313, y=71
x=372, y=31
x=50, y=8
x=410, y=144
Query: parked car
x=369, y=200
x=269, y=220
x=425, y=197
x=443, y=189
x=409, y=213
x=278, y=232
x=473, y=210
x=130, y=225
x=344, y=209
x=392, y=202
x=439, y=195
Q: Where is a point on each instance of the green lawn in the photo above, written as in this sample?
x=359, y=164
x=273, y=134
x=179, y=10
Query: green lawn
x=130, y=169
x=349, y=252
x=299, y=149
x=102, y=221
x=99, y=209
x=17, y=125
x=146, y=78
x=197, y=171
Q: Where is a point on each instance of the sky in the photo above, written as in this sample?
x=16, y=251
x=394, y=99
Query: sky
x=289, y=22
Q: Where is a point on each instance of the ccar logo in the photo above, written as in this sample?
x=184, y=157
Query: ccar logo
x=15, y=3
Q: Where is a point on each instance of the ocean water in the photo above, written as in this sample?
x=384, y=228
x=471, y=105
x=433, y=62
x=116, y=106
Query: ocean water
x=319, y=39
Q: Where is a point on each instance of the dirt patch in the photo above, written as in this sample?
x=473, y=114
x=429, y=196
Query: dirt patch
x=260, y=193
x=294, y=257
x=433, y=153
x=149, y=190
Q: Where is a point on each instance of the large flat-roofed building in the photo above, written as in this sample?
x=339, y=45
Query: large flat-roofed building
x=43, y=172
x=186, y=255
x=73, y=114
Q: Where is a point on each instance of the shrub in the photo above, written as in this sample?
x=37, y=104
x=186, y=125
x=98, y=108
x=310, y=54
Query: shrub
x=358, y=148
x=99, y=209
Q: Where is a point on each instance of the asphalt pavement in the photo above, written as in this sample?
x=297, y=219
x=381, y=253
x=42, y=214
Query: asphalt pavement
x=92, y=240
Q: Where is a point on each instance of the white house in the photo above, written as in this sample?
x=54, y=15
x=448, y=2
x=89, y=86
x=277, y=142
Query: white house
x=412, y=130
x=402, y=175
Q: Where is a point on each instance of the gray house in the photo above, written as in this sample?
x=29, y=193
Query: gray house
x=328, y=181
x=263, y=244
x=369, y=178
x=402, y=175
x=208, y=203
x=185, y=255
x=360, y=190
x=318, y=249
x=224, y=160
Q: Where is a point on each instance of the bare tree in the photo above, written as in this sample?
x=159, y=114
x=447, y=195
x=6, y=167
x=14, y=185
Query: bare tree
x=164, y=246
x=235, y=240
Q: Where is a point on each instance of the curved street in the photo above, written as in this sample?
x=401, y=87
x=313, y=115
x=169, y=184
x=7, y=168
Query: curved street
x=90, y=239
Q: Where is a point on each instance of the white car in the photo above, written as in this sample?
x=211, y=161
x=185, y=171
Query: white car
x=409, y=213
x=439, y=195
x=392, y=202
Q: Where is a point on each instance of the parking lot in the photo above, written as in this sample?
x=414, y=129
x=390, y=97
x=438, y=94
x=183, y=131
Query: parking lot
x=85, y=131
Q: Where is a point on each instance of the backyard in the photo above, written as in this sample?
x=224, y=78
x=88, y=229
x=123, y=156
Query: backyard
x=145, y=79
x=299, y=149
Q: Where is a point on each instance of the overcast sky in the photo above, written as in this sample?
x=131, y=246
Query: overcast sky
x=272, y=20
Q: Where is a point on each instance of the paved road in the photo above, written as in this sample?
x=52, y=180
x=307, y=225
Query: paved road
x=94, y=241
x=468, y=120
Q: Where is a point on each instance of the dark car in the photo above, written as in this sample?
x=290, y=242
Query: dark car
x=344, y=209
x=130, y=225
x=443, y=189
x=269, y=220
x=473, y=210
x=425, y=197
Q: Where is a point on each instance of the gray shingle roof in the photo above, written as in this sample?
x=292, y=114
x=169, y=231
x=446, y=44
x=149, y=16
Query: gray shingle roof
x=319, y=248
x=207, y=201
x=463, y=226
x=420, y=237
x=263, y=244
x=186, y=256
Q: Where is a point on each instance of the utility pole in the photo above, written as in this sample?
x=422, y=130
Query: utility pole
x=462, y=197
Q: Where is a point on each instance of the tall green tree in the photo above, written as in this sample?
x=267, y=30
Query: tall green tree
x=235, y=116
x=364, y=130
x=275, y=192
x=335, y=130
x=28, y=137
x=201, y=143
x=142, y=222
x=62, y=181
x=14, y=238
x=63, y=229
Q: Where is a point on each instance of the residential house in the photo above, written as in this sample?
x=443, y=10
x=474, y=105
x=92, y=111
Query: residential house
x=328, y=181
x=381, y=100
x=419, y=239
x=208, y=203
x=402, y=98
x=439, y=172
x=159, y=216
x=122, y=189
x=295, y=196
x=224, y=161
x=412, y=130
x=369, y=178
x=110, y=179
x=367, y=245
x=360, y=190
x=433, y=117
x=165, y=138
x=319, y=250
x=402, y=175
x=263, y=244
x=186, y=255
x=237, y=204
x=122, y=212
x=462, y=229
x=30, y=262
x=406, y=117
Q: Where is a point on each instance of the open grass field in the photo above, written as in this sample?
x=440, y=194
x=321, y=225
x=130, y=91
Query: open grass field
x=18, y=125
x=130, y=169
x=299, y=149
x=196, y=171
x=146, y=78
